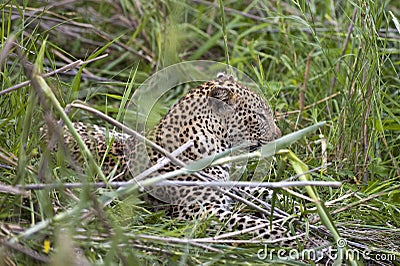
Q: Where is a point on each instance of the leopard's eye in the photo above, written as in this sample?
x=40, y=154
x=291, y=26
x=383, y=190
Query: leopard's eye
x=262, y=116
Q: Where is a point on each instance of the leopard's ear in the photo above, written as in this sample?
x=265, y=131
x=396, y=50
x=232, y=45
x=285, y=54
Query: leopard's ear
x=221, y=100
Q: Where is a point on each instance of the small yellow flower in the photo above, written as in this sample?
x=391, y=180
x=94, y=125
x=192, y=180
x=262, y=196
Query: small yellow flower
x=46, y=246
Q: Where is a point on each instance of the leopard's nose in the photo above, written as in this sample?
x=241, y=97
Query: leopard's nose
x=278, y=133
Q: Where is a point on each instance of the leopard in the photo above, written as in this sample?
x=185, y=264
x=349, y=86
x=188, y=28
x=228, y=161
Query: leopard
x=216, y=116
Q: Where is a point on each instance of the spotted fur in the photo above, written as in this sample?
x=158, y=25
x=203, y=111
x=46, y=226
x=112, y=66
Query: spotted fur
x=215, y=116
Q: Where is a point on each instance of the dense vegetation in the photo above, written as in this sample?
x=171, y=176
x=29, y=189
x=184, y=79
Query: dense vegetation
x=334, y=61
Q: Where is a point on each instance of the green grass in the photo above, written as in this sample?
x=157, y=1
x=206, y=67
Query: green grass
x=334, y=61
